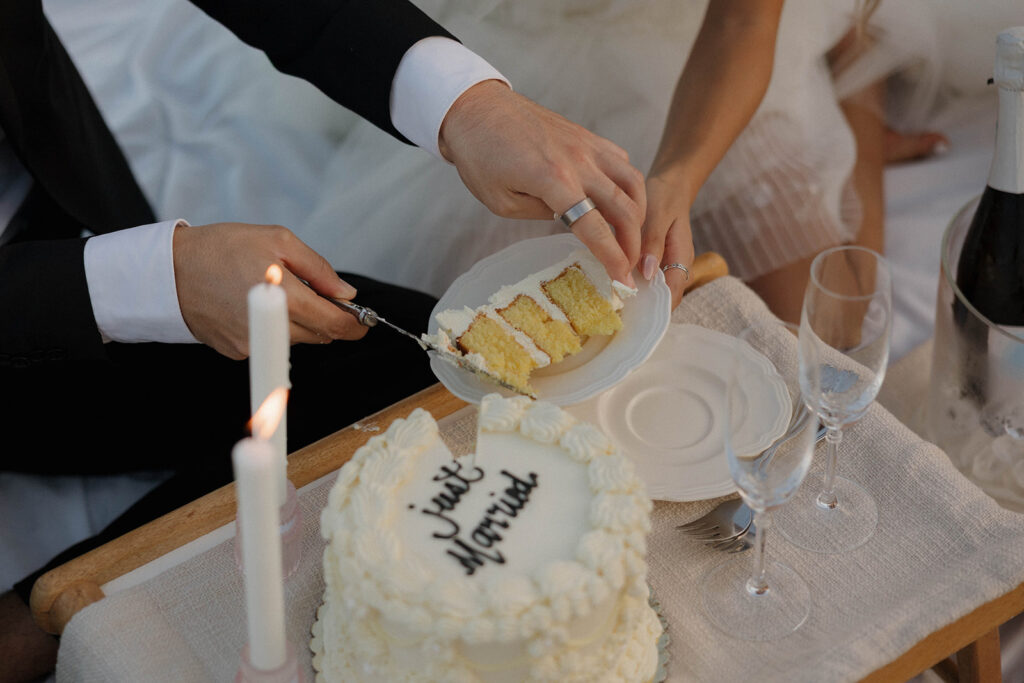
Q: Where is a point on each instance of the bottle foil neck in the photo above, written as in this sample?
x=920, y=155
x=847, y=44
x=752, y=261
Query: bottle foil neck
x=1007, y=172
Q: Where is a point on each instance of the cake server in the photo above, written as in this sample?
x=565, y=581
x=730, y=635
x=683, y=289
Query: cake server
x=369, y=318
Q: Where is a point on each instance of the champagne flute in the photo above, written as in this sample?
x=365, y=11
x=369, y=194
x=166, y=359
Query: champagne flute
x=845, y=328
x=769, y=442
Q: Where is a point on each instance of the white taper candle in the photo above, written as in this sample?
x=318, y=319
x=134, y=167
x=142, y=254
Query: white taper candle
x=269, y=349
x=257, y=523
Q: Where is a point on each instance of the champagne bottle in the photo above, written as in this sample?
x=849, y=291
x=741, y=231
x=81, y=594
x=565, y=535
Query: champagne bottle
x=990, y=270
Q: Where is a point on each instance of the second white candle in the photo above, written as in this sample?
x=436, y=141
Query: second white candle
x=257, y=520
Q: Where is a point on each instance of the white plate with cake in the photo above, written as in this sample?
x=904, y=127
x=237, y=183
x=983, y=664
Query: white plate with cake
x=544, y=315
x=667, y=416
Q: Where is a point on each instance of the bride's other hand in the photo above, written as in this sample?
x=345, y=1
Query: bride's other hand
x=524, y=161
x=721, y=86
x=666, y=236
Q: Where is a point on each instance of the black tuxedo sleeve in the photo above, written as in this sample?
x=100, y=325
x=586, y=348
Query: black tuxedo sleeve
x=350, y=49
x=44, y=299
x=81, y=181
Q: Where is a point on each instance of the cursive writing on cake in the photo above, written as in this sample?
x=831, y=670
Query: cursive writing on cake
x=479, y=548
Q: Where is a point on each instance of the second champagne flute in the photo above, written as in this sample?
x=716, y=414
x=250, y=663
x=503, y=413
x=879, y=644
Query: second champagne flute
x=753, y=598
x=845, y=328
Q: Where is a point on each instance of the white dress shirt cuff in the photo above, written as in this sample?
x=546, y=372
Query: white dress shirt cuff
x=130, y=274
x=433, y=73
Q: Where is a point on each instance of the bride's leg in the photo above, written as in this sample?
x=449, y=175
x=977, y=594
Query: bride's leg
x=876, y=145
x=783, y=289
x=865, y=114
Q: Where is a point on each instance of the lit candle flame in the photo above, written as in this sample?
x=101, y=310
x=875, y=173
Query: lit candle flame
x=266, y=418
x=274, y=274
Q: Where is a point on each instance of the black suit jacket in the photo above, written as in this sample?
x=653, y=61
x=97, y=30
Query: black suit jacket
x=350, y=49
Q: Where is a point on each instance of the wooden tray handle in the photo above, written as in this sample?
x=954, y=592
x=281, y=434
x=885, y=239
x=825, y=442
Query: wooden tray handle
x=61, y=592
x=707, y=267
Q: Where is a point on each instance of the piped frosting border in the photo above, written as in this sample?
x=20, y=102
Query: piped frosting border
x=358, y=523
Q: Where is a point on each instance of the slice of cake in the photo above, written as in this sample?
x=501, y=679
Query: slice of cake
x=537, y=321
x=492, y=344
x=524, y=562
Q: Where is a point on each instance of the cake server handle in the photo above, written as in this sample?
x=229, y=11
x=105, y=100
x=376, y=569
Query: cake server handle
x=369, y=317
x=365, y=316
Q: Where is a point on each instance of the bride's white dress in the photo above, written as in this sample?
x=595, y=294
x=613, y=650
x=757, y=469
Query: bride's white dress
x=779, y=194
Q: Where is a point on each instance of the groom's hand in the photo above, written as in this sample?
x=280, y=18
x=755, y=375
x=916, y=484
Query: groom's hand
x=524, y=161
x=215, y=265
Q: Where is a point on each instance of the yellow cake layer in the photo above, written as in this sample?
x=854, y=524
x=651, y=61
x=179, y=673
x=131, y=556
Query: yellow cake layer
x=585, y=308
x=505, y=357
x=554, y=337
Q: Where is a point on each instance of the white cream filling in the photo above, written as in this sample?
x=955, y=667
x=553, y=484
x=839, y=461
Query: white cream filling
x=532, y=285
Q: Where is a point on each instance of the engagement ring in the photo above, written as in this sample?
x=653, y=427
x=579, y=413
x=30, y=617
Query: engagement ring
x=680, y=266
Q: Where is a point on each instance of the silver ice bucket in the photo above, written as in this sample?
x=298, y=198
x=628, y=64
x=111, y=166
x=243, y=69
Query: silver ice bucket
x=976, y=396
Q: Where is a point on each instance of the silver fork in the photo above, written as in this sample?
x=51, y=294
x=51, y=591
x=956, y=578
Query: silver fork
x=713, y=527
x=722, y=525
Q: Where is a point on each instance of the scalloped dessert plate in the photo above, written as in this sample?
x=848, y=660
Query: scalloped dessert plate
x=667, y=415
x=601, y=364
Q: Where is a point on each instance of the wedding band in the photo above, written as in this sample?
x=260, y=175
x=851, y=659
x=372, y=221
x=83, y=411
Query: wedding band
x=680, y=266
x=576, y=211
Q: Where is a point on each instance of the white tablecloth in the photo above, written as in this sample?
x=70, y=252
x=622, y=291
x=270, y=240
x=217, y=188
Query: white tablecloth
x=941, y=548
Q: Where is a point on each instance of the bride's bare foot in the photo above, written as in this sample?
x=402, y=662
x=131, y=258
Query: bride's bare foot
x=910, y=146
x=26, y=651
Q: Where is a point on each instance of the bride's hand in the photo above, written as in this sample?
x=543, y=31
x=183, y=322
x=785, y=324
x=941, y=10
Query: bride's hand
x=666, y=236
x=524, y=161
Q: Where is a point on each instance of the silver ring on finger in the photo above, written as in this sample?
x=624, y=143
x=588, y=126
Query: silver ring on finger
x=678, y=266
x=576, y=212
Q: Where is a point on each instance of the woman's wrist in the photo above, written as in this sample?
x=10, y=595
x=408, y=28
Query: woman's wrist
x=676, y=175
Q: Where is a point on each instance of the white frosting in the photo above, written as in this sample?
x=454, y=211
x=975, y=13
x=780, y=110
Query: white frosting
x=545, y=422
x=455, y=322
x=568, y=601
x=440, y=340
x=623, y=290
x=530, y=287
x=497, y=415
x=611, y=290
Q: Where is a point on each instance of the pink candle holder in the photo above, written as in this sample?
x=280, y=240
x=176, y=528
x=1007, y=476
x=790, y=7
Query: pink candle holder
x=291, y=535
x=289, y=672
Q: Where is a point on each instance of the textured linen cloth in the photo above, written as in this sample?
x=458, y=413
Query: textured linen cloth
x=942, y=548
